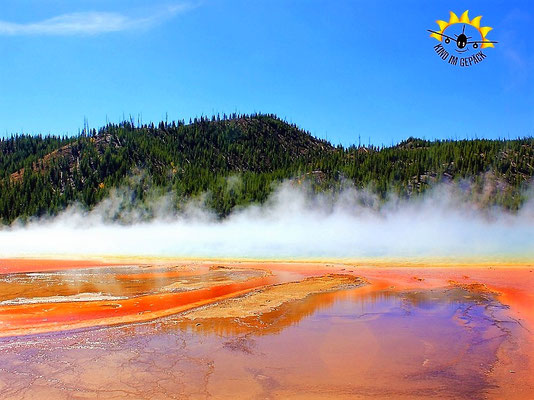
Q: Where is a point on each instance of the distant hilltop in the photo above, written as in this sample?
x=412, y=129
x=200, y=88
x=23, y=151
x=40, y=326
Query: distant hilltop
x=237, y=160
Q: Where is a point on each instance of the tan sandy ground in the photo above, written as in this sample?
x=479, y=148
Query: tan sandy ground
x=271, y=297
x=227, y=276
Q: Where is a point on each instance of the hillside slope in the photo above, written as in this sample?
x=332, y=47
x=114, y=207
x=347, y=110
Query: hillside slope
x=236, y=160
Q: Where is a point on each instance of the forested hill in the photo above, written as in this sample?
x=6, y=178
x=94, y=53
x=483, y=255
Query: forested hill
x=43, y=175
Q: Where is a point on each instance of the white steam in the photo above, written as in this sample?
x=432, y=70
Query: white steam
x=293, y=224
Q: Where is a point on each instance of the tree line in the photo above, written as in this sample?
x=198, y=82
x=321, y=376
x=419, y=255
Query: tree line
x=235, y=160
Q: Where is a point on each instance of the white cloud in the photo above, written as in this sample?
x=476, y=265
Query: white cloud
x=89, y=23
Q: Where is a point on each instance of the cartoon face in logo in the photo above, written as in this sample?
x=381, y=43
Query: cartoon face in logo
x=461, y=36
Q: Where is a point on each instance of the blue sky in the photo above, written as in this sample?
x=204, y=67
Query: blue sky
x=340, y=69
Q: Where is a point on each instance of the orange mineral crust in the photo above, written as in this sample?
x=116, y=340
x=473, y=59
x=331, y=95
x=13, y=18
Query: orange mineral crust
x=161, y=328
x=88, y=297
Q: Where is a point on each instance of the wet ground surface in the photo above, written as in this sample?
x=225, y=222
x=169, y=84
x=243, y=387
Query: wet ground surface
x=399, y=336
x=38, y=302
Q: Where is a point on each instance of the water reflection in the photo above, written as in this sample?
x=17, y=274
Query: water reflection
x=359, y=303
x=369, y=342
x=375, y=341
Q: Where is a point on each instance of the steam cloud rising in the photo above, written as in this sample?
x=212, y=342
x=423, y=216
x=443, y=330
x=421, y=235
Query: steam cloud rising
x=292, y=224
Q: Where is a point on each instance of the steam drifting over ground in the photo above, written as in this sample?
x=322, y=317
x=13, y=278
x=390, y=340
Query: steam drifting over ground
x=293, y=224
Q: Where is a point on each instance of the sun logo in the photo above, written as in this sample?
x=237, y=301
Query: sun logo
x=464, y=36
